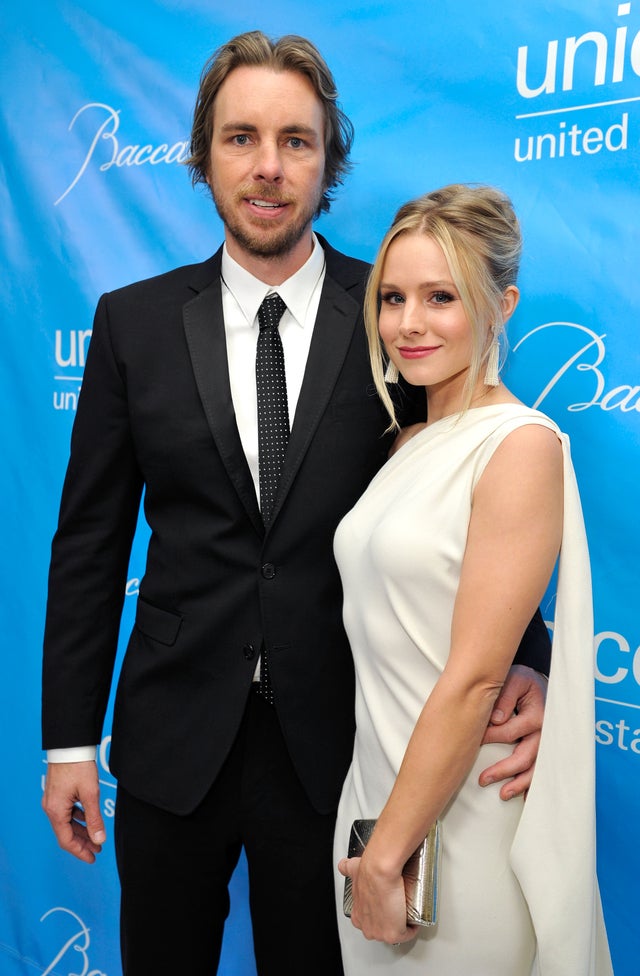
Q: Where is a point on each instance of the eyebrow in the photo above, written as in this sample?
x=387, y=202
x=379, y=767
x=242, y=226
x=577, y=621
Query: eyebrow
x=442, y=283
x=228, y=126
x=306, y=130
x=294, y=129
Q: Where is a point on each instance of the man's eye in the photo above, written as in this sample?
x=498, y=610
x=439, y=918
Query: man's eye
x=296, y=142
x=241, y=139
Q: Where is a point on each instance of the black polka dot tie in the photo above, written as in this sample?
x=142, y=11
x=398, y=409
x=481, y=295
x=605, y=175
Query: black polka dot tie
x=273, y=410
x=273, y=428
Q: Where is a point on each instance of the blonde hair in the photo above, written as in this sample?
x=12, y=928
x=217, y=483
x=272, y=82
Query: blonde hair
x=479, y=233
x=288, y=53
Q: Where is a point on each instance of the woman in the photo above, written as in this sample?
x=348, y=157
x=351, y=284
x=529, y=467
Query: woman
x=444, y=560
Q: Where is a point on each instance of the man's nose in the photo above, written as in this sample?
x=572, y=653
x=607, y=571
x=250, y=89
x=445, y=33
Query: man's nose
x=268, y=163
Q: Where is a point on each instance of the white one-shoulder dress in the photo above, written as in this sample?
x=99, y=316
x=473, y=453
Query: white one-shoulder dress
x=518, y=894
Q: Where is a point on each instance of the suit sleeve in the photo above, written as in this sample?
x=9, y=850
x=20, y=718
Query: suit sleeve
x=90, y=551
x=535, y=646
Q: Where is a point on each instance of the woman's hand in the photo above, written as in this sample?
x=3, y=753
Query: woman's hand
x=379, y=904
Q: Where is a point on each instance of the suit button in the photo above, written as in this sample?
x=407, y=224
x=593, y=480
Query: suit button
x=268, y=570
x=249, y=652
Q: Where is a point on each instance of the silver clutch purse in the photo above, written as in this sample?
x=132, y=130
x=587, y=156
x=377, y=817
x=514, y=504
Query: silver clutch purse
x=420, y=873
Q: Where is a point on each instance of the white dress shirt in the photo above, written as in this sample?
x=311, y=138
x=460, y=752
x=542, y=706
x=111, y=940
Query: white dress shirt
x=242, y=295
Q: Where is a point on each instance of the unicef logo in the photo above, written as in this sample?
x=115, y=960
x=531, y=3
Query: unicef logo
x=618, y=670
x=107, y=782
x=587, y=62
x=615, y=661
x=70, y=354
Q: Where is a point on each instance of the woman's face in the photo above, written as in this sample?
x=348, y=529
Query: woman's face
x=422, y=322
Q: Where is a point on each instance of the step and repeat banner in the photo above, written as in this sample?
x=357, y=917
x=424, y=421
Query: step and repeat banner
x=540, y=98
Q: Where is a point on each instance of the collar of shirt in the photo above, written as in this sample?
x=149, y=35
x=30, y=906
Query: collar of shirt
x=296, y=292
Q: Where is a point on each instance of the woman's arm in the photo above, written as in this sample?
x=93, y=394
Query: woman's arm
x=524, y=691
x=512, y=545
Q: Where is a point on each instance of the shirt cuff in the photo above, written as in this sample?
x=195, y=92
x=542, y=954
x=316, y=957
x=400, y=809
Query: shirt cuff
x=73, y=754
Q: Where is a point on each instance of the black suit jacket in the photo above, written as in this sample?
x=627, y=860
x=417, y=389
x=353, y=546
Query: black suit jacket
x=155, y=418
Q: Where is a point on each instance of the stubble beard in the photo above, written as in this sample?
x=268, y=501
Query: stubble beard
x=268, y=242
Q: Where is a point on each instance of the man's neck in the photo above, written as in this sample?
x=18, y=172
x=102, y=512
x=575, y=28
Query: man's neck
x=273, y=270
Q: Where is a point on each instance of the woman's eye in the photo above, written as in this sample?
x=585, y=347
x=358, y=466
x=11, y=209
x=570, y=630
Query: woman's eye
x=441, y=298
x=392, y=298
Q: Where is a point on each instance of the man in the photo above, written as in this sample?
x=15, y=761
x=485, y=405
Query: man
x=207, y=759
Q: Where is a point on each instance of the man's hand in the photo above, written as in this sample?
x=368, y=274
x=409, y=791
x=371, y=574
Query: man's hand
x=517, y=717
x=72, y=803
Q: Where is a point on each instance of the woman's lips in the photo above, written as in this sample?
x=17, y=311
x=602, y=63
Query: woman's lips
x=417, y=352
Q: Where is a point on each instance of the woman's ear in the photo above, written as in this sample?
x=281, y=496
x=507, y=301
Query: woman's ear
x=510, y=299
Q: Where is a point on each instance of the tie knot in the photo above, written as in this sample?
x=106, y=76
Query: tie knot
x=271, y=311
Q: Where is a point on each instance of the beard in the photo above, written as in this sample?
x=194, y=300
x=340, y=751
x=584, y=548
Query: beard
x=266, y=241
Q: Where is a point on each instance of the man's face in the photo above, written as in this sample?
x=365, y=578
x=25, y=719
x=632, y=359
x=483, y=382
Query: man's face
x=266, y=167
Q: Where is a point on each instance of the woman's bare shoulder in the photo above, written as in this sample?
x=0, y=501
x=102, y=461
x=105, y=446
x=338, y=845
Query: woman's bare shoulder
x=405, y=435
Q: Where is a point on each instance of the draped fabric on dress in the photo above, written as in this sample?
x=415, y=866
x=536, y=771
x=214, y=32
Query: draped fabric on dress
x=519, y=894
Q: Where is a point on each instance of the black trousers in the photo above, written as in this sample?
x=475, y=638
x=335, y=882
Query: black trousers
x=174, y=871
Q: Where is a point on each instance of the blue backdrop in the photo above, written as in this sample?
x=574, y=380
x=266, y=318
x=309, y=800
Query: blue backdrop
x=538, y=97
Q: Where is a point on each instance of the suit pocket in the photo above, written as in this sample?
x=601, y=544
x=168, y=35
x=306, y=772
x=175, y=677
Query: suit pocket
x=160, y=625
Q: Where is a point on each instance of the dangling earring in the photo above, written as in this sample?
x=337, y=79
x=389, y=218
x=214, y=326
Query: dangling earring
x=391, y=375
x=492, y=375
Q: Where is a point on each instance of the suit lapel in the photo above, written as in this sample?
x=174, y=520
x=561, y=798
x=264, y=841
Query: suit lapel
x=204, y=330
x=338, y=314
